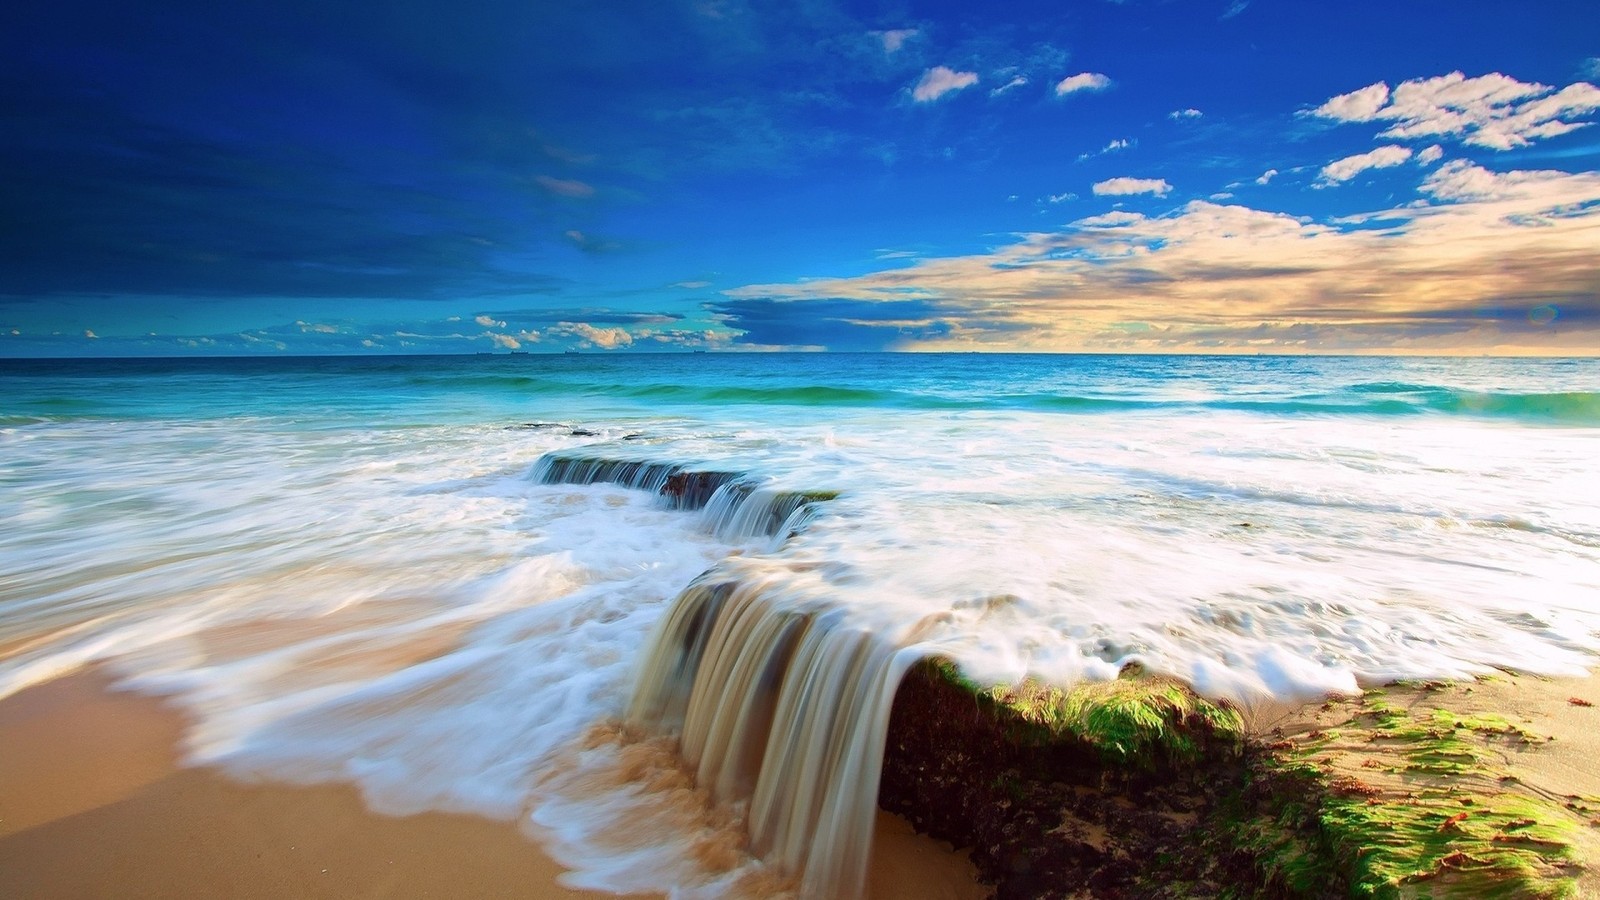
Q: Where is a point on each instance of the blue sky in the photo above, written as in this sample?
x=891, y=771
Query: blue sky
x=1136, y=176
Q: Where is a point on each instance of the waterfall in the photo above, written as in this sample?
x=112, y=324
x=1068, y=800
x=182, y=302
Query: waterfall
x=782, y=703
x=733, y=505
x=779, y=697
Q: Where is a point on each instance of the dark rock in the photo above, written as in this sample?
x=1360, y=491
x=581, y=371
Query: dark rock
x=693, y=490
x=1055, y=818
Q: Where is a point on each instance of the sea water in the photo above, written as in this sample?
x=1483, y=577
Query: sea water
x=354, y=570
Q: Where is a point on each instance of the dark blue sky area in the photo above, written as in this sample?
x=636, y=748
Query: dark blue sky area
x=431, y=177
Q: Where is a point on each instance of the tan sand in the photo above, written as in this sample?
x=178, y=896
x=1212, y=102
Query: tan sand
x=93, y=804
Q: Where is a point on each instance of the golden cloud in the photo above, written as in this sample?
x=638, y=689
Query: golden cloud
x=1488, y=262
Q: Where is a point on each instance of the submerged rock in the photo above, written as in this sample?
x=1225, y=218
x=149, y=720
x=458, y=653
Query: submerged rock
x=736, y=504
x=553, y=426
x=693, y=490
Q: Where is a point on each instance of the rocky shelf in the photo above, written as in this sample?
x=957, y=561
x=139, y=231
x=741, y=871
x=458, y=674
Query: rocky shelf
x=1138, y=788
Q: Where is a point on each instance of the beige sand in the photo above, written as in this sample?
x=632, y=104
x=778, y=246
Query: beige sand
x=92, y=804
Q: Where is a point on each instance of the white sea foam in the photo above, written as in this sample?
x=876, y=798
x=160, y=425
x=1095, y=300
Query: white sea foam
x=405, y=609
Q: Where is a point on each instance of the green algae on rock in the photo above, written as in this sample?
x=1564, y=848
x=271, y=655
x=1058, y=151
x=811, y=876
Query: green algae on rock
x=1398, y=804
x=1062, y=792
x=1139, y=788
x=1135, y=720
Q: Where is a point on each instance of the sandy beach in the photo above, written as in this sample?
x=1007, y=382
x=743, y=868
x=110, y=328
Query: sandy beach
x=93, y=803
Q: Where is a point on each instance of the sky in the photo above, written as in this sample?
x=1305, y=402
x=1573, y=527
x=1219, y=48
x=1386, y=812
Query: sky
x=1148, y=176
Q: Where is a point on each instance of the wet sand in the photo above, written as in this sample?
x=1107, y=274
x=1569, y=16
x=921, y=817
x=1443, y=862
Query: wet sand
x=93, y=803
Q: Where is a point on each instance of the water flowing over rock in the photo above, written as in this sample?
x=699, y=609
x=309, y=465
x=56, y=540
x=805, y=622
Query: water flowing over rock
x=779, y=698
x=781, y=703
x=557, y=468
x=735, y=505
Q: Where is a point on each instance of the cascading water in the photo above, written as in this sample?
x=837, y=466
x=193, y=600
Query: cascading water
x=779, y=701
x=734, y=506
x=780, y=704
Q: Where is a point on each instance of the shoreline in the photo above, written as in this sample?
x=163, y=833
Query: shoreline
x=94, y=803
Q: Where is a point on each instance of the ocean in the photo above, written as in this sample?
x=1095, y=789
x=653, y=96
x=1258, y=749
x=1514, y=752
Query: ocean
x=471, y=583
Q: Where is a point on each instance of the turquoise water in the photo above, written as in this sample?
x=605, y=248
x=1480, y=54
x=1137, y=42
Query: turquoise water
x=351, y=570
x=416, y=390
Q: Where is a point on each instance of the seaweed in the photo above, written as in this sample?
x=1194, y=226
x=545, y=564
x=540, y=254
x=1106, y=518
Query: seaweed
x=1135, y=719
x=1430, y=813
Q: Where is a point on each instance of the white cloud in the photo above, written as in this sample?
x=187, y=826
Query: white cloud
x=1015, y=82
x=604, y=338
x=250, y=339
x=1061, y=198
x=91, y=335
x=1117, y=218
x=563, y=187
x=1591, y=68
x=589, y=243
x=1238, y=6
x=1222, y=195
x=1494, y=110
x=938, y=81
x=1112, y=147
x=895, y=38
x=1083, y=81
x=1179, y=115
x=1356, y=106
x=1460, y=180
x=505, y=341
x=691, y=285
x=1343, y=170
x=1116, y=187
x=488, y=321
x=1430, y=155
x=316, y=327
x=1266, y=176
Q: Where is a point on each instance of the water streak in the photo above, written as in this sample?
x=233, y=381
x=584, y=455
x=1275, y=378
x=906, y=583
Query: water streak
x=736, y=505
x=782, y=704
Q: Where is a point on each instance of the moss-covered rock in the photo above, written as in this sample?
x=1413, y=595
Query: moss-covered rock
x=1084, y=792
x=1139, y=788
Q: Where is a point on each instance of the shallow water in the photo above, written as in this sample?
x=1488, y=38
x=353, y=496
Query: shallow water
x=348, y=571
